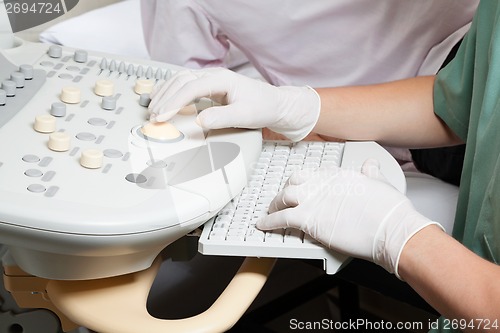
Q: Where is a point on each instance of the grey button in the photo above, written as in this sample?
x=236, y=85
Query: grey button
x=65, y=76
x=112, y=153
x=47, y=64
x=108, y=103
x=51, y=191
x=33, y=173
x=36, y=188
x=130, y=70
x=59, y=66
x=112, y=66
x=104, y=64
x=140, y=71
x=10, y=87
x=31, y=158
x=73, y=68
x=58, y=109
x=136, y=178
x=121, y=67
x=99, y=139
x=77, y=79
x=84, y=71
x=18, y=78
x=144, y=100
x=97, y=122
x=80, y=56
x=45, y=161
x=159, y=74
x=55, y=51
x=84, y=136
x=27, y=70
x=48, y=176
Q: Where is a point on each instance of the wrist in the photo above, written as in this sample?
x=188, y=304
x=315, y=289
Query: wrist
x=397, y=229
x=299, y=108
x=418, y=248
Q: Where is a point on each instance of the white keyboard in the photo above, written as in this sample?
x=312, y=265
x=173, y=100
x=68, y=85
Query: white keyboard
x=233, y=231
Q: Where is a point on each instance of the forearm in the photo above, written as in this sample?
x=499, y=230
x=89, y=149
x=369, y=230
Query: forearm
x=455, y=281
x=399, y=113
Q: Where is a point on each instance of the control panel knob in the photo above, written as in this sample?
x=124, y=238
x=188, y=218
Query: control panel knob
x=27, y=70
x=144, y=100
x=91, y=159
x=55, y=51
x=104, y=88
x=45, y=123
x=10, y=88
x=18, y=79
x=162, y=131
x=70, y=95
x=143, y=86
x=80, y=56
x=59, y=141
x=108, y=103
x=58, y=109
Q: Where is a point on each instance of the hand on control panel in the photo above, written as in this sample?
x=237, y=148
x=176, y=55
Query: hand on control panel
x=247, y=103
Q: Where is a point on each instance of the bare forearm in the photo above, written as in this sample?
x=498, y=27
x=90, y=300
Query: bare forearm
x=457, y=282
x=399, y=113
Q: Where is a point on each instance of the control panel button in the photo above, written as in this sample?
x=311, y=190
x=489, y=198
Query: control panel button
x=108, y=103
x=59, y=141
x=45, y=123
x=91, y=159
x=80, y=56
x=36, y=188
x=104, y=88
x=10, y=87
x=58, y=109
x=18, y=78
x=136, y=178
x=162, y=131
x=70, y=95
x=55, y=51
x=143, y=86
x=27, y=70
x=144, y=100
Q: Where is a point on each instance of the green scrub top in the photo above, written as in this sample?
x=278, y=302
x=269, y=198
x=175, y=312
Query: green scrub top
x=467, y=98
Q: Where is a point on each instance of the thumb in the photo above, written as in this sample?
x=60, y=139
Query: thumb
x=217, y=117
x=275, y=220
x=371, y=169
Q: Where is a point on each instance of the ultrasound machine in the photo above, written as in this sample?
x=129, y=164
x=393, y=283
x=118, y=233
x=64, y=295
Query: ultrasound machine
x=91, y=192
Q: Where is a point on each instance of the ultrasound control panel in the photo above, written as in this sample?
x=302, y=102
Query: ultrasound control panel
x=88, y=187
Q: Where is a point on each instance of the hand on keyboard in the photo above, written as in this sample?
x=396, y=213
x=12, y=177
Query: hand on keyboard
x=358, y=214
x=248, y=103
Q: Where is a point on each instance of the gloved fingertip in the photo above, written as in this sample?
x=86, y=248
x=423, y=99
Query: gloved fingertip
x=371, y=168
x=198, y=122
x=263, y=224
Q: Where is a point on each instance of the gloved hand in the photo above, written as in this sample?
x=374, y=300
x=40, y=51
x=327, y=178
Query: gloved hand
x=248, y=103
x=358, y=214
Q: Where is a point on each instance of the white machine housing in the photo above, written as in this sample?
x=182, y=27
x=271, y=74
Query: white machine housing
x=64, y=221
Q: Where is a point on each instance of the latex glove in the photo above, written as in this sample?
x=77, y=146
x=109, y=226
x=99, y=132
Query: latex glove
x=248, y=103
x=357, y=213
